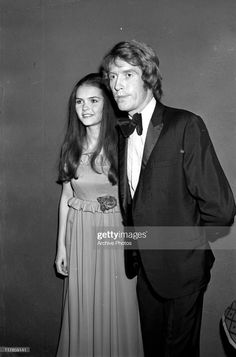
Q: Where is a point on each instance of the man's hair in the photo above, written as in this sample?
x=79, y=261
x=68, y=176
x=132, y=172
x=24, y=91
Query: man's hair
x=137, y=54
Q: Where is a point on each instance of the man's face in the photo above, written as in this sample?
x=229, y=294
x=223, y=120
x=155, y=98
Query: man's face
x=128, y=87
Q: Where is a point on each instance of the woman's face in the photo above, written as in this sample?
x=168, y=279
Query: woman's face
x=89, y=103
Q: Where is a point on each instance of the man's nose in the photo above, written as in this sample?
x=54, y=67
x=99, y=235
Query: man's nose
x=118, y=84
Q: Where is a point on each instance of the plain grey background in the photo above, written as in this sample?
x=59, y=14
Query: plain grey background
x=46, y=46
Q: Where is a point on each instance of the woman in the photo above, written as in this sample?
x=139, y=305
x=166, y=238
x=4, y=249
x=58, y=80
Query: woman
x=100, y=313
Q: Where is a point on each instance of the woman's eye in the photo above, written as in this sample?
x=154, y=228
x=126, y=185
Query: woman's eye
x=129, y=74
x=94, y=100
x=78, y=101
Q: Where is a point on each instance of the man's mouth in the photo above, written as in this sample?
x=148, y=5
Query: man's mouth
x=120, y=97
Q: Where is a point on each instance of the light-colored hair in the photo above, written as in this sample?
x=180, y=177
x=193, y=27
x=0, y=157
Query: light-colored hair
x=137, y=54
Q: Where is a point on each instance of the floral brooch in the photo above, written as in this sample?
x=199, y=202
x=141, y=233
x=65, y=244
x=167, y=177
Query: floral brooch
x=107, y=202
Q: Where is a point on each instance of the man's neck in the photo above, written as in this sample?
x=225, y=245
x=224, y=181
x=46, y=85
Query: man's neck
x=143, y=105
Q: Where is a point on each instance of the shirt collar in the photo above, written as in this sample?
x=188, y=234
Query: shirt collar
x=147, y=114
x=146, y=118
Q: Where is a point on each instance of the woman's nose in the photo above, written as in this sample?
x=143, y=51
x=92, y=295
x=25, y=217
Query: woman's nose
x=85, y=106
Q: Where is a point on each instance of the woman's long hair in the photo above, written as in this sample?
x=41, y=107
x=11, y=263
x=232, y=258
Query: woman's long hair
x=75, y=137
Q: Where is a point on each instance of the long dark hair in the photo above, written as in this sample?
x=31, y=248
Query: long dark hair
x=75, y=137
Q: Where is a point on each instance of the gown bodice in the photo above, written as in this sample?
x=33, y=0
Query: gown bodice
x=89, y=185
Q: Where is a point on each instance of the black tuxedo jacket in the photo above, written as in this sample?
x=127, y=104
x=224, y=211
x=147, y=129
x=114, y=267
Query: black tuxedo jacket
x=181, y=184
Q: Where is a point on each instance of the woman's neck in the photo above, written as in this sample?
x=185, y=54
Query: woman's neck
x=92, y=138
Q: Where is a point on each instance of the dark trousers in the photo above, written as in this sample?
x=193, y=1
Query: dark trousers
x=170, y=327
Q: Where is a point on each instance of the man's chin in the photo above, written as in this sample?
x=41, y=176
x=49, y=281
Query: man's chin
x=123, y=107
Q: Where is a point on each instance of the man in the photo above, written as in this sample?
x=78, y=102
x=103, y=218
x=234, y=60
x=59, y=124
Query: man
x=169, y=177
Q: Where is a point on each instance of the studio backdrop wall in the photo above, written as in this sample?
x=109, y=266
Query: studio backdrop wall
x=46, y=46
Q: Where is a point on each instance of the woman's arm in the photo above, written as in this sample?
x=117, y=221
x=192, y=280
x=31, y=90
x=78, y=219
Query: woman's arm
x=61, y=260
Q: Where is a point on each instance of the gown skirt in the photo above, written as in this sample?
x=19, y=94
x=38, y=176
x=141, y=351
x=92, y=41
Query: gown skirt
x=100, y=311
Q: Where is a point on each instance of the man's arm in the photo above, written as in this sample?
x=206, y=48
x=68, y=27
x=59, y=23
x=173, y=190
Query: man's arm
x=205, y=177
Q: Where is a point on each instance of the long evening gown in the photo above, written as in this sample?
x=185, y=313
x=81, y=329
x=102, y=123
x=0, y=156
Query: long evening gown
x=100, y=311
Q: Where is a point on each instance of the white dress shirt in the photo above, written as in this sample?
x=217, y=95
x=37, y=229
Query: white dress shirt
x=136, y=146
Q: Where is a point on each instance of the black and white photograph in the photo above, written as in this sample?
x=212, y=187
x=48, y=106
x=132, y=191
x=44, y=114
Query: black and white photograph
x=118, y=178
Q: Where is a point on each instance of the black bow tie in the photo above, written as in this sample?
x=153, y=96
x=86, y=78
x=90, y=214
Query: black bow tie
x=128, y=126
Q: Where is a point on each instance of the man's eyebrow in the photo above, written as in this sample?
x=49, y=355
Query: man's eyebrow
x=131, y=70
x=126, y=71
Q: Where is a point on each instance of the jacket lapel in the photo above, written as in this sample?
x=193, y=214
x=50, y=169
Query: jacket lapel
x=153, y=133
x=125, y=196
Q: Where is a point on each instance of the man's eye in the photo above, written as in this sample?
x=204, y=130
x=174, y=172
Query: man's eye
x=111, y=76
x=129, y=74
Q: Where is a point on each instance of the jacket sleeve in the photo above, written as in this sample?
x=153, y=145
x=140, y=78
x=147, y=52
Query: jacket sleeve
x=205, y=178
